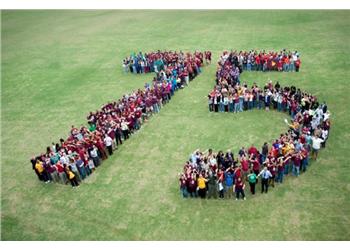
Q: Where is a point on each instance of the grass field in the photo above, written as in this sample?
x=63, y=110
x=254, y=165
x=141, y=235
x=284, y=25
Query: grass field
x=59, y=65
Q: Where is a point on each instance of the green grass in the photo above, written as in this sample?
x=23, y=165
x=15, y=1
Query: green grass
x=59, y=65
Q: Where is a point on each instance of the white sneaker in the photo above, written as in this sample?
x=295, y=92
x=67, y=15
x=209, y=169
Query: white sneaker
x=236, y=199
x=244, y=198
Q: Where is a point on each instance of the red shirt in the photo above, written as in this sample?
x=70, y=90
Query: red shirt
x=253, y=150
x=245, y=165
x=256, y=165
x=238, y=185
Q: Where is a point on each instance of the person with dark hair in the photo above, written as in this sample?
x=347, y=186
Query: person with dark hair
x=265, y=176
x=33, y=160
x=109, y=144
x=239, y=188
x=201, y=184
x=71, y=177
x=212, y=185
x=252, y=178
x=229, y=177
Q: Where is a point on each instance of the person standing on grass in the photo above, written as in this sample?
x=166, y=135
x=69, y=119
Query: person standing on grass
x=71, y=176
x=297, y=64
x=73, y=167
x=109, y=144
x=252, y=178
x=265, y=176
x=192, y=185
x=34, y=161
x=239, y=188
x=316, y=145
x=81, y=168
x=118, y=135
x=264, y=151
x=183, y=187
x=212, y=181
x=256, y=164
x=125, y=129
x=229, y=182
x=61, y=173
x=93, y=152
x=296, y=164
x=201, y=184
x=41, y=170
x=280, y=168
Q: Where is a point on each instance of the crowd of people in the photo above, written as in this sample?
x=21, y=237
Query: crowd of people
x=229, y=95
x=253, y=60
x=212, y=175
x=140, y=63
x=221, y=174
x=73, y=159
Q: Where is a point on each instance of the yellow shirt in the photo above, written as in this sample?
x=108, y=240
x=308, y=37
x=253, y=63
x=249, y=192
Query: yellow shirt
x=70, y=175
x=39, y=166
x=201, y=183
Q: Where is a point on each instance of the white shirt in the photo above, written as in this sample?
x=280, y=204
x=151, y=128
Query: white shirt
x=326, y=116
x=324, y=134
x=316, y=143
x=108, y=141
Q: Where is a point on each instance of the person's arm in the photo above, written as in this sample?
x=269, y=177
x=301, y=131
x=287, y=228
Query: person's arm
x=260, y=173
x=270, y=175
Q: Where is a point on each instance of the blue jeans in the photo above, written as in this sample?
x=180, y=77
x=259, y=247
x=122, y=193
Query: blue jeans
x=279, y=106
x=88, y=170
x=236, y=107
x=231, y=107
x=291, y=67
x=286, y=168
x=296, y=170
x=183, y=191
x=259, y=105
x=82, y=172
x=280, y=176
x=241, y=104
x=304, y=164
x=250, y=105
x=249, y=67
x=293, y=114
x=155, y=108
x=221, y=107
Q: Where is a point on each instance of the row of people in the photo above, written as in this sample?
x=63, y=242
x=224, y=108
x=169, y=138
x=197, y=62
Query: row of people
x=75, y=158
x=209, y=174
x=139, y=63
x=225, y=98
x=232, y=64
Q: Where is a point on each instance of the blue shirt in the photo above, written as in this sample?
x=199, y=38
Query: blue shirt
x=265, y=174
x=229, y=179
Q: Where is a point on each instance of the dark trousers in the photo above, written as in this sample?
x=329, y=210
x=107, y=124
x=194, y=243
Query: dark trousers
x=118, y=139
x=110, y=150
x=202, y=192
x=240, y=191
x=74, y=182
x=126, y=134
x=45, y=176
x=103, y=154
x=264, y=185
x=252, y=187
x=96, y=161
